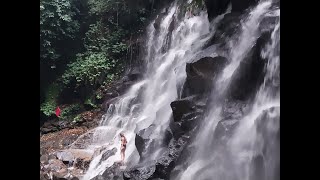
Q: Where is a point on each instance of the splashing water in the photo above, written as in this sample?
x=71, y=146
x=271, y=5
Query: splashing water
x=148, y=102
x=234, y=161
x=170, y=44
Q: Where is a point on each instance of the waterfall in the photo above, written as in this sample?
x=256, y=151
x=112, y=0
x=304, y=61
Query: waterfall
x=252, y=139
x=168, y=49
x=173, y=39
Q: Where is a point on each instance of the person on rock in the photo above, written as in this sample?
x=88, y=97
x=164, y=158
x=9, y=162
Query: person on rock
x=123, y=147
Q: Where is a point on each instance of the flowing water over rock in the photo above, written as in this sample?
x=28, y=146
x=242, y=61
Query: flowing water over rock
x=207, y=105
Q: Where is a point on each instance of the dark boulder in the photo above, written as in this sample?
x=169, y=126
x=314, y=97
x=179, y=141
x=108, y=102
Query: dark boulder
x=139, y=173
x=216, y=7
x=268, y=128
x=107, y=103
x=241, y=5
x=44, y=159
x=162, y=167
x=107, y=154
x=257, y=168
x=134, y=75
x=250, y=73
x=268, y=23
x=113, y=172
x=234, y=109
x=200, y=75
x=144, y=143
x=226, y=28
x=46, y=130
x=225, y=129
x=186, y=114
x=181, y=107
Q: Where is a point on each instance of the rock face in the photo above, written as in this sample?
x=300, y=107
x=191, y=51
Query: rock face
x=107, y=154
x=241, y=5
x=162, y=167
x=216, y=7
x=187, y=112
x=144, y=143
x=228, y=26
x=201, y=73
x=114, y=172
x=250, y=73
x=267, y=163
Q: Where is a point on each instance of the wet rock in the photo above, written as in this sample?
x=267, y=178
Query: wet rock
x=162, y=167
x=43, y=176
x=234, y=109
x=60, y=175
x=268, y=129
x=268, y=23
x=107, y=103
x=139, y=173
x=182, y=106
x=216, y=7
x=257, y=168
x=44, y=159
x=167, y=137
x=186, y=113
x=134, y=74
x=65, y=156
x=69, y=140
x=114, y=172
x=56, y=165
x=43, y=151
x=190, y=120
x=82, y=164
x=107, y=154
x=52, y=156
x=241, y=5
x=250, y=74
x=225, y=129
x=158, y=20
x=46, y=130
x=142, y=140
x=227, y=27
x=200, y=75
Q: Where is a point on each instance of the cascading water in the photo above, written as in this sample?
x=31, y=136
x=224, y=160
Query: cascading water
x=252, y=152
x=171, y=43
x=148, y=101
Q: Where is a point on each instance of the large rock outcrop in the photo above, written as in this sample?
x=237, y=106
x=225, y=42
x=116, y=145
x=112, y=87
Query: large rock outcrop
x=218, y=7
x=250, y=73
x=200, y=75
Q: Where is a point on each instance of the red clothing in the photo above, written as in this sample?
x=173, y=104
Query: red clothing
x=58, y=111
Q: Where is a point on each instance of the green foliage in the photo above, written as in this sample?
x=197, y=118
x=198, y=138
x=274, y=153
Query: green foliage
x=56, y=24
x=48, y=108
x=49, y=105
x=99, y=95
x=100, y=38
x=90, y=102
x=87, y=42
x=77, y=118
x=70, y=110
x=87, y=70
